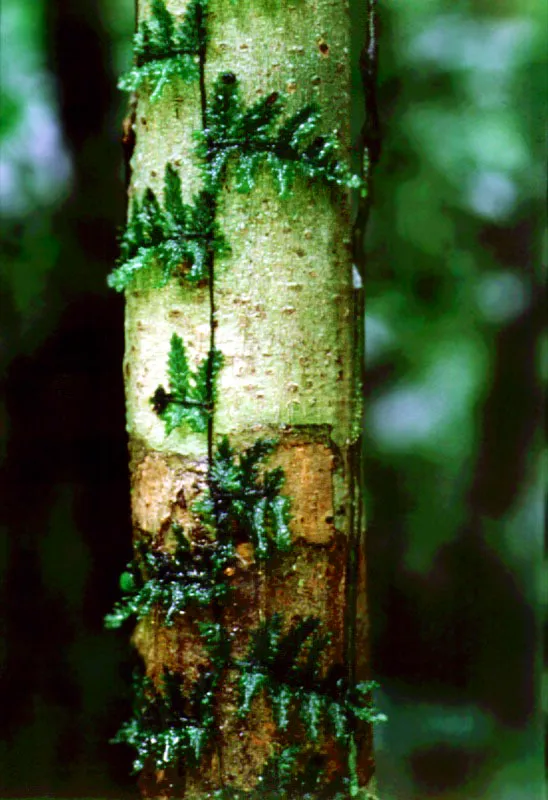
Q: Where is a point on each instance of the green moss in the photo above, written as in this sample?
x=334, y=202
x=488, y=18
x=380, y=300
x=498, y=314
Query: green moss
x=165, y=50
x=170, y=727
x=242, y=503
x=167, y=726
x=244, y=500
x=218, y=642
x=191, y=394
x=177, y=236
x=288, y=775
x=194, y=574
x=289, y=668
x=253, y=136
x=181, y=238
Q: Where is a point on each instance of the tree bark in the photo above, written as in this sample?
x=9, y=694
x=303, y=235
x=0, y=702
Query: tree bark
x=282, y=310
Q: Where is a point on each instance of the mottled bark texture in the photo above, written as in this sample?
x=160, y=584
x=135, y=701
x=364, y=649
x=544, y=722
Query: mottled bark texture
x=285, y=322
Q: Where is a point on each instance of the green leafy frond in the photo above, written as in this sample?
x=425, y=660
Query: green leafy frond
x=302, y=636
x=248, y=137
x=198, y=573
x=251, y=682
x=281, y=701
x=264, y=645
x=244, y=498
x=173, y=197
x=288, y=668
x=191, y=394
x=169, y=726
x=312, y=709
x=272, y=663
x=243, y=501
x=178, y=370
x=205, y=377
x=361, y=706
x=166, y=726
x=287, y=774
x=218, y=642
x=194, y=574
x=165, y=49
x=176, y=236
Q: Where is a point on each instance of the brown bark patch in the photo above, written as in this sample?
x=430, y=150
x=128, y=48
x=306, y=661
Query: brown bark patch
x=312, y=582
x=178, y=648
x=246, y=744
x=163, y=489
x=308, y=469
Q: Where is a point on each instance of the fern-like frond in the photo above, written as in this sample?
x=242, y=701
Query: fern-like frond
x=191, y=575
x=178, y=370
x=288, y=668
x=312, y=709
x=206, y=376
x=165, y=49
x=191, y=394
x=175, y=236
x=300, y=636
x=250, y=683
x=248, y=136
x=244, y=498
x=265, y=642
x=166, y=726
x=218, y=642
x=289, y=775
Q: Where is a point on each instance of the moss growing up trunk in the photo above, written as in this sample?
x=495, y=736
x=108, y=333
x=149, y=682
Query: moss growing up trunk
x=243, y=404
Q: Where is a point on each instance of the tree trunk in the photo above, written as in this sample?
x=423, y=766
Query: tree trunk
x=281, y=309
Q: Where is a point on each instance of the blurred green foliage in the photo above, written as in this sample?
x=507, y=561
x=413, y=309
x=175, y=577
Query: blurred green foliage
x=37, y=167
x=61, y=675
x=34, y=167
x=454, y=409
x=448, y=263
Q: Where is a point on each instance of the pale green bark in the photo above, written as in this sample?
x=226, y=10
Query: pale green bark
x=283, y=298
x=164, y=133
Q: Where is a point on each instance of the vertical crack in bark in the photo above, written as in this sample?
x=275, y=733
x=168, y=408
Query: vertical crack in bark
x=216, y=609
x=356, y=610
x=202, y=55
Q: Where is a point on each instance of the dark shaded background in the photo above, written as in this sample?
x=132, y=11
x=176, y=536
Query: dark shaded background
x=456, y=366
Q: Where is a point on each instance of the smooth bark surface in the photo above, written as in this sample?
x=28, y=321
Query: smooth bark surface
x=284, y=316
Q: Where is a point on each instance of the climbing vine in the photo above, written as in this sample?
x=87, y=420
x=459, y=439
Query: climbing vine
x=242, y=503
